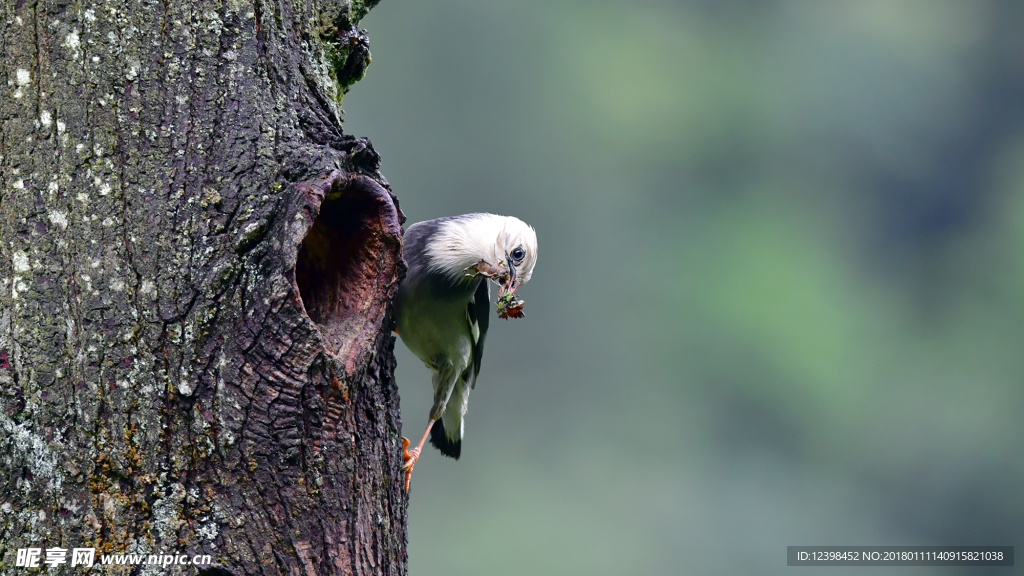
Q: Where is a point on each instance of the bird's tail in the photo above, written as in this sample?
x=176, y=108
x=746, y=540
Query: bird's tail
x=439, y=438
x=446, y=434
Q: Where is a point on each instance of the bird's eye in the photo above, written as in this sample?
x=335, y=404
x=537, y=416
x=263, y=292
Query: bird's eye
x=518, y=254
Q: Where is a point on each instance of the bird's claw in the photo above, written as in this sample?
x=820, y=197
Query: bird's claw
x=410, y=457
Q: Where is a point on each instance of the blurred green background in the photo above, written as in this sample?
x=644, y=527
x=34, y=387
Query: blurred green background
x=780, y=294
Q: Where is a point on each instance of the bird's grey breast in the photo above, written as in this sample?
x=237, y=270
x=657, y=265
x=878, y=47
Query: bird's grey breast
x=430, y=307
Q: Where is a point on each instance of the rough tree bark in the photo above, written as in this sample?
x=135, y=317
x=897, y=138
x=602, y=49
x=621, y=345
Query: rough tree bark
x=197, y=267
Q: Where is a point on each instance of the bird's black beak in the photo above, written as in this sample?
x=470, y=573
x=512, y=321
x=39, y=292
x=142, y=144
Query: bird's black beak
x=509, y=286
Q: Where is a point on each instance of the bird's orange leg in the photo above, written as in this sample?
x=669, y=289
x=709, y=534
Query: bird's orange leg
x=411, y=456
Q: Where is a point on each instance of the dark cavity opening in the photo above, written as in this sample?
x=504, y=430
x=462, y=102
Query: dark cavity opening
x=349, y=252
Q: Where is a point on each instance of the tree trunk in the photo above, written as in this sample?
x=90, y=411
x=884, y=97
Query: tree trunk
x=197, y=268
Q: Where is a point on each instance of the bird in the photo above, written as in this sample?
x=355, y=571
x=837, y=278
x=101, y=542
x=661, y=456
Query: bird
x=442, y=309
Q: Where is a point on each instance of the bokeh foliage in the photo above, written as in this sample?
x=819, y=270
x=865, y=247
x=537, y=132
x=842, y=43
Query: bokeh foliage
x=780, y=296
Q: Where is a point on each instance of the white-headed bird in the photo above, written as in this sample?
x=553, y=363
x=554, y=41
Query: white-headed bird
x=443, y=308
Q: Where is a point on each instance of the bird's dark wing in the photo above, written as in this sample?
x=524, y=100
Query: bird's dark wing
x=479, y=311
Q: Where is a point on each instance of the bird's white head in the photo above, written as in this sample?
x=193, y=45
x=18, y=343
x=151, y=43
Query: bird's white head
x=507, y=241
x=516, y=245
